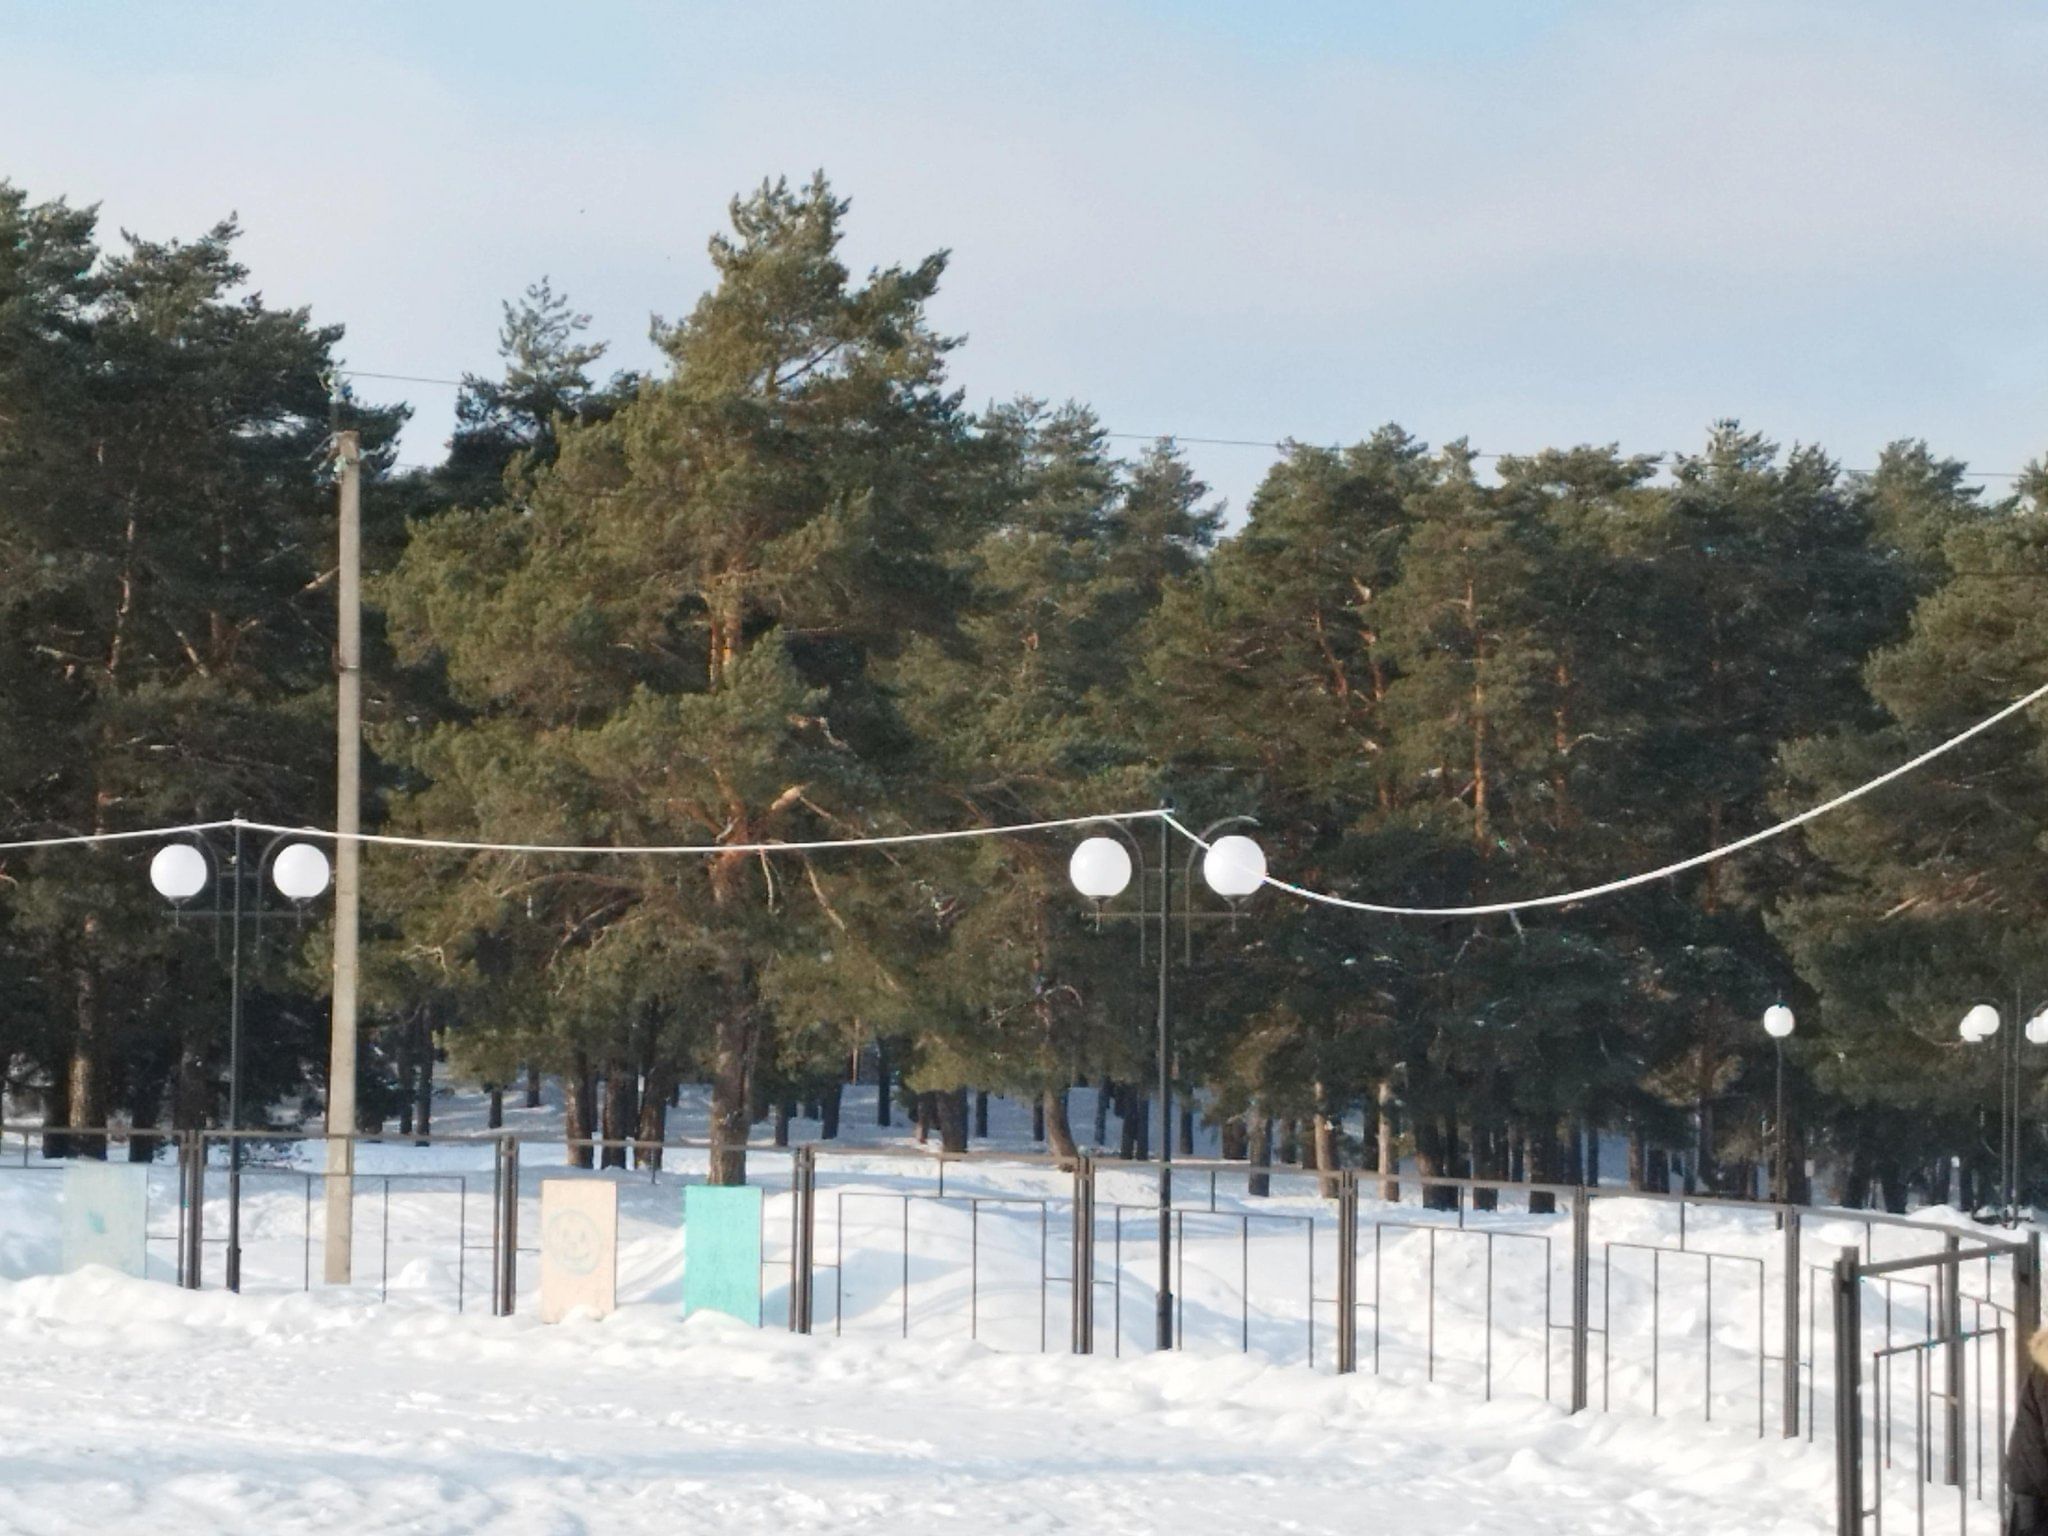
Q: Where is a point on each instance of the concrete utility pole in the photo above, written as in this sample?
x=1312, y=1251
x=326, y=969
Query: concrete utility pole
x=348, y=720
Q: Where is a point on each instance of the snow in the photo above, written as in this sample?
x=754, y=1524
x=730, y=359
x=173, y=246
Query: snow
x=939, y=1383
x=133, y=1406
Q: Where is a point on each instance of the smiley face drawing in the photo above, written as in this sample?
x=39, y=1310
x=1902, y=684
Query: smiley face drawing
x=571, y=1240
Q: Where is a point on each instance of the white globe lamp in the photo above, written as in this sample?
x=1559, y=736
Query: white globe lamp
x=1778, y=1021
x=1980, y=1023
x=300, y=871
x=178, y=871
x=1100, y=868
x=1234, y=867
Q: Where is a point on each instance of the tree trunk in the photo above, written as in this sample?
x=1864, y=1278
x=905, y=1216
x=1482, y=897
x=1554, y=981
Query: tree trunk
x=1290, y=1142
x=1386, y=1152
x=981, y=1113
x=883, y=1087
x=57, y=1112
x=1706, y=1159
x=1235, y=1140
x=1891, y=1181
x=532, y=1086
x=1258, y=1127
x=1327, y=1159
x=1038, y=1119
x=1432, y=1157
x=1488, y=1160
x=1323, y=1145
x=1103, y=1092
x=408, y=1094
x=1187, y=1130
x=783, y=1115
x=1591, y=1134
x=927, y=1117
x=1543, y=1159
x=653, y=1127
x=145, y=1098
x=423, y=1077
x=494, y=1117
x=1657, y=1171
x=732, y=1065
x=88, y=1106
x=621, y=1112
x=951, y=1108
x=578, y=1110
x=1059, y=1131
x=828, y=1112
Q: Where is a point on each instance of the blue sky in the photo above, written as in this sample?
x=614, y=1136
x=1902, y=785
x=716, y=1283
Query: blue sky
x=1524, y=223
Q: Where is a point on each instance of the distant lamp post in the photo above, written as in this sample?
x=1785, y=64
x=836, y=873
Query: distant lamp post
x=181, y=871
x=1101, y=868
x=1981, y=1023
x=1779, y=1024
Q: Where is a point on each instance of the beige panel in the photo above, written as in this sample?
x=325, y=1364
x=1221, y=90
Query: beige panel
x=579, y=1247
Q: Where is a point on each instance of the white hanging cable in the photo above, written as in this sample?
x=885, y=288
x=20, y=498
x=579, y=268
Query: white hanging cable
x=884, y=840
x=1567, y=898
x=93, y=839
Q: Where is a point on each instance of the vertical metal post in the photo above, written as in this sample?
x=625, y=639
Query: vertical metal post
x=192, y=1169
x=1582, y=1296
x=1848, y=1286
x=505, y=1231
x=234, y=1261
x=1083, y=1265
x=1347, y=1272
x=1782, y=1189
x=803, y=1267
x=1163, y=1332
x=1949, y=1289
x=1789, y=1342
x=338, y=1258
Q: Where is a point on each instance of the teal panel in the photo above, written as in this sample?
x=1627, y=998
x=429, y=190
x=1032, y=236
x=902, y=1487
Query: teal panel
x=105, y=1210
x=722, y=1251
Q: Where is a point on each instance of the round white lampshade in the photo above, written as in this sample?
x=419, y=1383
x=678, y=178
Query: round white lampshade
x=1980, y=1023
x=1100, y=868
x=2037, y=1029
x=1778, y=1021
x=301, y=871
x=1234, y=866
x=178, y=871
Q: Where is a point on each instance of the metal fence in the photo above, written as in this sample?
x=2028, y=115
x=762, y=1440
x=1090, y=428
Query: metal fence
x=1900, y=1340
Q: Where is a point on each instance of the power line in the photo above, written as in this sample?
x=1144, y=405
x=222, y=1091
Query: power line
x=1698, y=860
x=899, y=839
x=701, y=850
x=1270, y=445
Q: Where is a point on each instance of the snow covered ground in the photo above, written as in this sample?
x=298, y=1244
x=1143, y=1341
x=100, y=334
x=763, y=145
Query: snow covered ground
x=132, y=1406
x=939, y=1385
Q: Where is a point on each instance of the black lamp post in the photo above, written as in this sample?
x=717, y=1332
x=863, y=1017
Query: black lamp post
x=1778, y=1024
x=1982, y=1023
x=1233, y=867
x=180, y=871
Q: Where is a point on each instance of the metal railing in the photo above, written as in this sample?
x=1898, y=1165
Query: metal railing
x=1692, y=1309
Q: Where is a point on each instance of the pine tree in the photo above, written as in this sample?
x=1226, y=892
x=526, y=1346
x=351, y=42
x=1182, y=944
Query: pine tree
x=675, y=640
x=163, y=530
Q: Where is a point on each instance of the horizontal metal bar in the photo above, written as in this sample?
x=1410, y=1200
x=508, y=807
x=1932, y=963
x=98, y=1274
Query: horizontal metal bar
x=1922, y=1260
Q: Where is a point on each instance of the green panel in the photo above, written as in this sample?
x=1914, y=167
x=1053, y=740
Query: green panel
x=105, y=1210
x=722, y=1251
